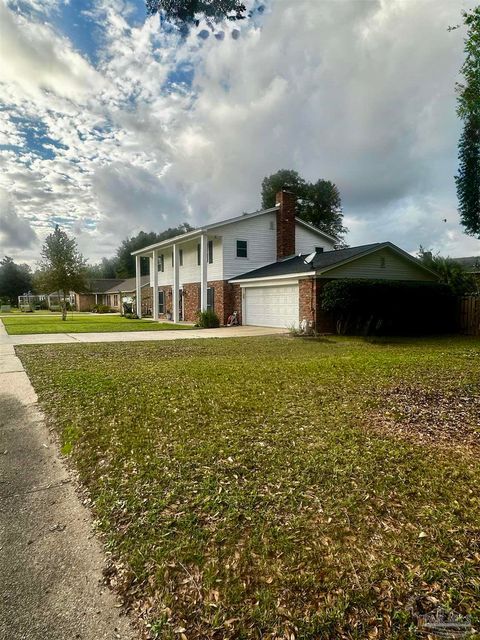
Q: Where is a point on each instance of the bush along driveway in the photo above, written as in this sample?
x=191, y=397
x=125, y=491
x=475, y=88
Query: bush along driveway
x=259, y=488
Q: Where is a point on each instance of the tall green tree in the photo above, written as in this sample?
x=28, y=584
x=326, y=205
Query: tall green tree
x=319, y=203
x=186, y=11
x=62, y=267
x=106, y=268
x=15, y=279
x=449, y=271
x=283, y=179
x=468, y=108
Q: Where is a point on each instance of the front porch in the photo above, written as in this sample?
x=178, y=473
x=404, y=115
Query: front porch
x=178, y=301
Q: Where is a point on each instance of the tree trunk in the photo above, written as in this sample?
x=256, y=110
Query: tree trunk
x=64, y=307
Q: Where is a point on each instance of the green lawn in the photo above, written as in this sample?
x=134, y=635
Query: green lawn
x=277, y=487
x=81, y=323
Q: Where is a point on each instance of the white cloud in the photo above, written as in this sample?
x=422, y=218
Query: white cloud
x=361, y=93
x=15, y=231
x=40, y=61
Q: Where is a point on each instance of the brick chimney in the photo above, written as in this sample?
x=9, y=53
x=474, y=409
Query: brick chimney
x=286, y=205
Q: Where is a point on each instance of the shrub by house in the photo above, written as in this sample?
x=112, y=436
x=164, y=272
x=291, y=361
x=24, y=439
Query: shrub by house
x=380, y=307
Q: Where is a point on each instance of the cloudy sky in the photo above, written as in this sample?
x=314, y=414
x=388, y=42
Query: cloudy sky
x=111, y=123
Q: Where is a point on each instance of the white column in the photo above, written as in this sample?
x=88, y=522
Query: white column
x=154, y=279
x=138, y=287
x=176, y=284
x=203, y=271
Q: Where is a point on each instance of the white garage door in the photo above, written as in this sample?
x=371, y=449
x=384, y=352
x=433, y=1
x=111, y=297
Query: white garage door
x=273, y=306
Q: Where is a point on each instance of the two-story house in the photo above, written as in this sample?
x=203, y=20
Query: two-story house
x=195, y=269
x=268, y=266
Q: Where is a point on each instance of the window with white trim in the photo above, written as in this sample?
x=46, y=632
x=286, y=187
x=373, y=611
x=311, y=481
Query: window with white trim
x=161, y=262
x=161, y=302
x=210, y=251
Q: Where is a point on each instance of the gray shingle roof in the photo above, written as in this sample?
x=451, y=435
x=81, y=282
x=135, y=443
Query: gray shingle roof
x=297, y=264
x=113, y=285
x=101, y=285
x=128, y=285
x=469, y=263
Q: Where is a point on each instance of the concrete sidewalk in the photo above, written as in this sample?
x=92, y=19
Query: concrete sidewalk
x=50, y=562
x=136, y=336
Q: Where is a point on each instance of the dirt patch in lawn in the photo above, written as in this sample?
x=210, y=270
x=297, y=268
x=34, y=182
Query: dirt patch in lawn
x=429, y=416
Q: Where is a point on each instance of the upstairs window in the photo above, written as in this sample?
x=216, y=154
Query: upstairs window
x=180, y=257
x=161, y=263
x=199, y=253
x=210, y=251
x=242, y=249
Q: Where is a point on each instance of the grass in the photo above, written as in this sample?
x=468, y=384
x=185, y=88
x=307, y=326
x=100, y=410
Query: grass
x=81, y=323
x=16, y=311
x=245, y=488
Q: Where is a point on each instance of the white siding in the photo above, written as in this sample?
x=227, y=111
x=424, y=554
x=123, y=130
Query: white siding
x=190, y=270
x=370, y=266
x=260, y=234
x=261, y=241
x=306, y=240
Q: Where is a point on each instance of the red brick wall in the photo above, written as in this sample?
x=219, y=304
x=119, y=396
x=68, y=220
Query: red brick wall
x=223, y=299
x=191, y=301
x=236, y=299
x=147, y=301
x=307, y=300
x=227, y=298
x=310, y=305
x=84, y=301
x=285, y=224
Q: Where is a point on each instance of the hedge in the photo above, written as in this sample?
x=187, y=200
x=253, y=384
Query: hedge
x=382, y=307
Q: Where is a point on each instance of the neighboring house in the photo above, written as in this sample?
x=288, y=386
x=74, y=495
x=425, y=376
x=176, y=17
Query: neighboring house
x=268, y=266
x=471, y=264
x=112, y=293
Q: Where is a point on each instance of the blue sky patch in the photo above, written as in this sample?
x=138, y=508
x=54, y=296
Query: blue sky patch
x=36, y=137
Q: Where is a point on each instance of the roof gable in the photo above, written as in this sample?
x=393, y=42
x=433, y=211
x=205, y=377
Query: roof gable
x=469, y=263
x=316, y=230
x=327, y=261
x=190, y=235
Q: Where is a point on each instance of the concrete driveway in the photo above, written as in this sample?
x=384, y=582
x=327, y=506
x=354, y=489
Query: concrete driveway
x=136, y=336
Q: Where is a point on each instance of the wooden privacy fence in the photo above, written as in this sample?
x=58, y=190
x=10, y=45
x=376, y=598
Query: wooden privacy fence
x=469, y=315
